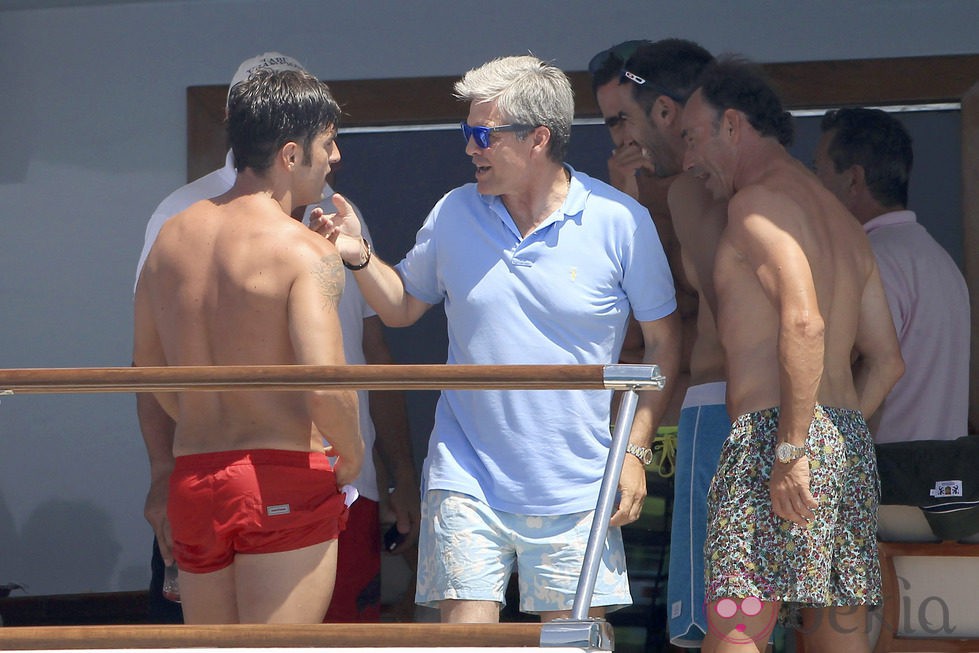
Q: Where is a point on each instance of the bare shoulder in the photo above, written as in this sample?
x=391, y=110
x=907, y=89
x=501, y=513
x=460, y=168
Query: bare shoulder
x=328, y=273
x=766, y=201
x=698, y=216
x=689, y=196
x=750, y=199
x=317, y=260
x=764, y=220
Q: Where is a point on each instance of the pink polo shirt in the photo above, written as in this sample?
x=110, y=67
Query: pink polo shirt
x=929, y=304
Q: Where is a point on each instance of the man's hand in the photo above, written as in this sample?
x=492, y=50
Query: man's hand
x=155, y=512
x=404, y=503
x=342, y=228
x=622, y=166
x=345, y=469
x=632, y=492
x=789, y=488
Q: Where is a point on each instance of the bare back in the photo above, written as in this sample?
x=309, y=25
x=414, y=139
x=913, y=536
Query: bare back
x=222, y=286
x=791, y=272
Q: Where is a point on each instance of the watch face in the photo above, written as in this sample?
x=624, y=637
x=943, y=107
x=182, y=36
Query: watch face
x=782, y=452
x=786, y=452
x=644, y=454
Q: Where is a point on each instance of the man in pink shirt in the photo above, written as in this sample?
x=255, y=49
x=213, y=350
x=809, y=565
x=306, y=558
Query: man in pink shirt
x=864, y=157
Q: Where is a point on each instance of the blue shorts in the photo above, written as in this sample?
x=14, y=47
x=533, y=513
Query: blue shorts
x=704, y=426
x=467, y=551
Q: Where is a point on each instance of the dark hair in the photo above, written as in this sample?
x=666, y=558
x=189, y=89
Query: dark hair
x=736, y=83
x=876, y=141
x=669, y=67
x=271, y=108
x=607, y=64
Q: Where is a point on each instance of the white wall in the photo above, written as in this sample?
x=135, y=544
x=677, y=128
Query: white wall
x=92, y=136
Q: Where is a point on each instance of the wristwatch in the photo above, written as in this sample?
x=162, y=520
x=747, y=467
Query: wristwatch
x=786, y=452
x=644, y=454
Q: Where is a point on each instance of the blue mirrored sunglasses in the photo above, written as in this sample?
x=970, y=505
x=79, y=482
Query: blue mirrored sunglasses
x=482, y=134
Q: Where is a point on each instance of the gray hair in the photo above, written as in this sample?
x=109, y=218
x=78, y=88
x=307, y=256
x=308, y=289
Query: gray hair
x=528, y=91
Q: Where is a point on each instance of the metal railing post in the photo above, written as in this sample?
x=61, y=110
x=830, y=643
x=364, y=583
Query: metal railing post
x=581, y=630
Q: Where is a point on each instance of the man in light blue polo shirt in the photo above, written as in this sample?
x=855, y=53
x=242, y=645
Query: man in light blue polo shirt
x=536, y=264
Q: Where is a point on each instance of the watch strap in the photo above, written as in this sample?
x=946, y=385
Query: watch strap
x=644, y=454
x=787, y=452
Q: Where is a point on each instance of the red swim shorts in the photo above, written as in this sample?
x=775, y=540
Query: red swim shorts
x=250, y=501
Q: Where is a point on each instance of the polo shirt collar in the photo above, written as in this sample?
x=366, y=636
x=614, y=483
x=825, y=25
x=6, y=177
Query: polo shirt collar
x=890, y=219
x=573, y=204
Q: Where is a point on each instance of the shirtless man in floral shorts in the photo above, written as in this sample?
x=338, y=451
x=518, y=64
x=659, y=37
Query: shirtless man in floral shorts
x=793, y=507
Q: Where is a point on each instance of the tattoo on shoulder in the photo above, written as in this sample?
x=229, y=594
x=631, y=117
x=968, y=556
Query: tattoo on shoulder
x=329, y=275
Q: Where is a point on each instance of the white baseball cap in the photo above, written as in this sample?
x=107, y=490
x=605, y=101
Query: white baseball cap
x=270, y=60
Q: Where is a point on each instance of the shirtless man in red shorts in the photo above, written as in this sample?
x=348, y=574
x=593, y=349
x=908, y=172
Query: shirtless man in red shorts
x=254, y=508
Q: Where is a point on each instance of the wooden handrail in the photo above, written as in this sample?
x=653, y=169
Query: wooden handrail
x=384, y=635
x=301, y=377
x=385, y=377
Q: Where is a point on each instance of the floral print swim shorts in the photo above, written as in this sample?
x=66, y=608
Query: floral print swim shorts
x=751, y=552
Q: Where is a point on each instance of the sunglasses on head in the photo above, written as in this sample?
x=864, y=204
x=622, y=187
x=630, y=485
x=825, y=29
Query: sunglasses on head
x=618, y=54
x=481, y=134
x=642, y=81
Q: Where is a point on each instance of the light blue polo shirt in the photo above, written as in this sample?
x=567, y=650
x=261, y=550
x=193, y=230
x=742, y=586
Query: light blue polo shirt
x=559, y=296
